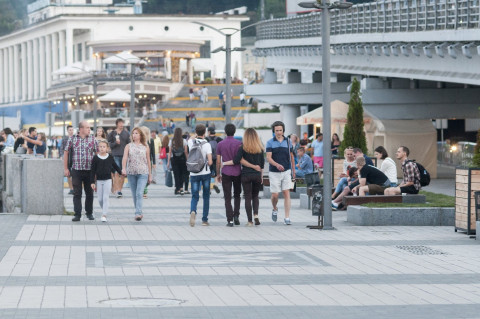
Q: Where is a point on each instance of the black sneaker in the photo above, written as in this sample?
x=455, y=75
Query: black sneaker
x=90, y=217
x=215, y=187
x=236, y=221
x=229, y=224
x=76, y=219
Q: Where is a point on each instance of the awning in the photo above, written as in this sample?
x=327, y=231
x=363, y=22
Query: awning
x=75, y=68
x=124, y=57
x=116, y=95
x=338, y=111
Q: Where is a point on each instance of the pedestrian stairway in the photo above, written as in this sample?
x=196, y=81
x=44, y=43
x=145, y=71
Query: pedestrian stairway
x=210, y=111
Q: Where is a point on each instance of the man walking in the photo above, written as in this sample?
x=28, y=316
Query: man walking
x=214, y=141
x=280, y=156
x=202, y=178
x=84, y=147
x=62, y=150
x=229, y=175
x=117, y=140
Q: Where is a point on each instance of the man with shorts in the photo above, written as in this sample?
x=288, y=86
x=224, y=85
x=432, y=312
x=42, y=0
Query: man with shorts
x=70, y=132
x=411, y=175
x=280, y=156
x=372, y=180
x=317, y=146
x=117, y=140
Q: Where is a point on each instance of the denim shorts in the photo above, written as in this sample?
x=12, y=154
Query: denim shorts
x=118, y=161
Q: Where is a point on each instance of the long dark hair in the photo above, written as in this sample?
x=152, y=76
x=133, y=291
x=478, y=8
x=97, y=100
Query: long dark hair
x=8, y=131
x=177, y=140
x=383, y=151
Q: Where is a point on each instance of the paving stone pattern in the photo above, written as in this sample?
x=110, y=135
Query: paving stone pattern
x=163, y=268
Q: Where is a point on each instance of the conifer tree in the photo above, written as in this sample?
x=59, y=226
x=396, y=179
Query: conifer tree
x=476, y=152
x=353, y=134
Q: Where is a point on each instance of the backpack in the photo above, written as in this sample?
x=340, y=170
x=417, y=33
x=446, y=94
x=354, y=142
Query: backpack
x=177, y=152
x=163, y=153
x=424, y=174
x=196, y=161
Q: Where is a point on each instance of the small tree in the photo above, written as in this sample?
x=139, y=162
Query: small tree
x=353, y=134
x=476, y=152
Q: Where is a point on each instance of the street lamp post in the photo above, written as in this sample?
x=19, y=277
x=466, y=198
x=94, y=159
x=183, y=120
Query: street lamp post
x=132, y=97
x=325, y=6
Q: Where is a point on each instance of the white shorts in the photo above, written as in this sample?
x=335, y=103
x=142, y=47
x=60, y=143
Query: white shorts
x=280, y=181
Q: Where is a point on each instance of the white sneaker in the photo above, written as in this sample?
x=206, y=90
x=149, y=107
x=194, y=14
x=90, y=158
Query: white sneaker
x=103, y=219
x=334, y=205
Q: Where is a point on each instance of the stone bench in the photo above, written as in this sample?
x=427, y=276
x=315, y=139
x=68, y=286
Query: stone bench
x=401, y=216
x=266, y=181
x=405, y=199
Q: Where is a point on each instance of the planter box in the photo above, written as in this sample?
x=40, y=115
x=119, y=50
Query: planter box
x=467, y=182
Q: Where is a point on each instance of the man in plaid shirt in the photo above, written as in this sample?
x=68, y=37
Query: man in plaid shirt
x=411, y=175
x=83, y=147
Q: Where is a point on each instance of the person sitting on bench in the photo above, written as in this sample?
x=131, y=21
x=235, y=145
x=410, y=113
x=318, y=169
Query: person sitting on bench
x=411, y=175
x=305, y=164
x=347, y=164
x=372, y=180
x=353, y=182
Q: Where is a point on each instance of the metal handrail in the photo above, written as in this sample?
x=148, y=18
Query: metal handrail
x=379, y=17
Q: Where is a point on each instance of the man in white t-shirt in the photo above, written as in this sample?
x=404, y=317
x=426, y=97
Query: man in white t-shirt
x=202, y=178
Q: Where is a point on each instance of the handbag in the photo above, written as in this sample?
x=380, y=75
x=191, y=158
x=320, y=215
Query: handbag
x=163, y=153
x=21, y=150
x=169, y=179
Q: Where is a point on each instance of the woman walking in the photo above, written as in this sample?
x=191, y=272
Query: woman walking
x=136, y=166
x=177, y=157
x=101, y=172
x=251, y=156
x=151, y=147
x=164, y=153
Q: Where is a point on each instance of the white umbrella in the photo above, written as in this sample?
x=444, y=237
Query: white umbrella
x=124, y=57
x=75, y=68
x=116, y=95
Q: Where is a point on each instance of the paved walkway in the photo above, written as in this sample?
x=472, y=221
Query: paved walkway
x=163, y=268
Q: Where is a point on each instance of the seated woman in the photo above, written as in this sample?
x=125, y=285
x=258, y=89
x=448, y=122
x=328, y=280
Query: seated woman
x=305, y=164
x=40, y=144
x=352, y=183
x=388, y=167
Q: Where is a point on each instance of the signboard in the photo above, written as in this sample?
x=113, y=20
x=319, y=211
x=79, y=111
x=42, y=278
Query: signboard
x=293, y=8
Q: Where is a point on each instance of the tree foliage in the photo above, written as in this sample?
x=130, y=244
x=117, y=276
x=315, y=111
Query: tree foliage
x=476, y=152
x=354, y=134
x=12, y=14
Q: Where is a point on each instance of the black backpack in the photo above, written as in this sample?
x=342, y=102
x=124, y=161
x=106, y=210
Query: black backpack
x=424, y=174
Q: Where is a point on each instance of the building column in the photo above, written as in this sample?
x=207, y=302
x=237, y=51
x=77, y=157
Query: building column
x=289, y=118
x=16, y=72
x=11, y=79
x=48, y=61
x=30, y=69
x=2, y=81
x=42, y=73
x=69, y=44
x=303, y=128
x=55, y=47
x=6, y=90
x=190, y=71
x=24, y=72
x=36, y=69
x=294, y=77
x=61, y=48
x=270, y=76
x=168, y=68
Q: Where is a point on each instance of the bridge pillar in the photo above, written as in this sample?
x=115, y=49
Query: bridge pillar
x=317, y=77
x=270, y=77
x=294, y=77
x=289, y=117
x=303, y=128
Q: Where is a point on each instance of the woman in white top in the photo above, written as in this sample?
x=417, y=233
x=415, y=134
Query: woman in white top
x=388, y=167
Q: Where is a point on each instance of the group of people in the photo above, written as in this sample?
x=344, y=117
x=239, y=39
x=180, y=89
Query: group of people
x=191, y=119
x=360, y=177
x=26, y=142
x=202, y=93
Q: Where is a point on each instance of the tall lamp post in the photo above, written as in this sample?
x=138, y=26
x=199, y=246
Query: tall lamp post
x=325, y=6
x=228, y=63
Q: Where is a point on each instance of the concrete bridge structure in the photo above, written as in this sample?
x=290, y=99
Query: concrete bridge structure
x=417, y=59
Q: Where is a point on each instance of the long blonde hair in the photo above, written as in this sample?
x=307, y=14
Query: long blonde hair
x=143, y=139
x=251, y=142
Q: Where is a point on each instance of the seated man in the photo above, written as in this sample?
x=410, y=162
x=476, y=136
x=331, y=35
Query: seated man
x=372, y=180
x=411, y=175
x=359, y=153
x=349, y=162
x=305, y=164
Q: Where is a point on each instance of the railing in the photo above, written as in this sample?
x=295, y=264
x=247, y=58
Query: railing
x=104, y=112
x=460, y=154
x=109, y=76
x=379, y=17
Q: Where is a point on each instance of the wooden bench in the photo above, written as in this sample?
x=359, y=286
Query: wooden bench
x=359, y=200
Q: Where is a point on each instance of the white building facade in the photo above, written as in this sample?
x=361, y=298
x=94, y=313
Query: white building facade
x=65, y=32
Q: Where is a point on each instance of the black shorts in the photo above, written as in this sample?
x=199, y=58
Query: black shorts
x=408, y=190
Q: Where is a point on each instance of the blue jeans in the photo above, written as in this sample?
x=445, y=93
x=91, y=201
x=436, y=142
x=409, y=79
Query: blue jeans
x=197, y=182
x=137, y=185
x=300, y=173
x=341, y=185
x=164, y=162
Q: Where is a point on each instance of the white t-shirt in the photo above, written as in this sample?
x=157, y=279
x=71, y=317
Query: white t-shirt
x=206, y=149
x=347, y=164
x=389, y=168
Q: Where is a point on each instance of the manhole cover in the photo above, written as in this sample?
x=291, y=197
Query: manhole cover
x=421, y=250
x=142, y=302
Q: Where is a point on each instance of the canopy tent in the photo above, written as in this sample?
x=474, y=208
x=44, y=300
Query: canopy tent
x=202, y=65
x=338, y=115
x=420, y=136
x=72, y=69
x=124, y=57
x=116, y=95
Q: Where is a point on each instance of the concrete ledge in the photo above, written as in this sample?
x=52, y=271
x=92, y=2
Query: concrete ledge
x=268, y=194
x=401, y=216
x=305, y=201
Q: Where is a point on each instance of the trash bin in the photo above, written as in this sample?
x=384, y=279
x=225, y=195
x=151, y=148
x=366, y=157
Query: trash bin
x=477, y=210
x=317, y=200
